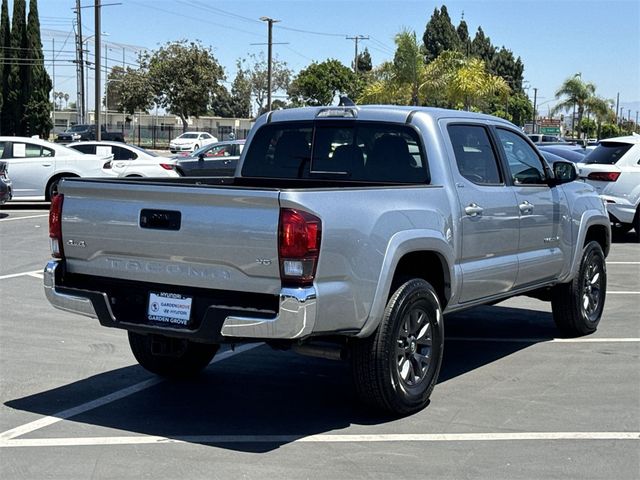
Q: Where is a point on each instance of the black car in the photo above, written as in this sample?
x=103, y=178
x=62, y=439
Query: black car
x=83, y=132
x=572, y=153
x=5, y=183
x=214, y=160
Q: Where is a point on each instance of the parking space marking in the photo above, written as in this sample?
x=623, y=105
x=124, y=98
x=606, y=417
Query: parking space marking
x=543, y=340
x=99, y=402
x=23, y=218
x=623, y=263
x=320, y=438
x=623, y=293
x=33, y=273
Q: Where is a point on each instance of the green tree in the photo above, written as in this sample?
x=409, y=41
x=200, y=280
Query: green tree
x=17, y=91
x=221, y=103
x=114, y=89
x=319, y=83
x=408, y=63
x=128, y=90
x=576, y=94
x=241, y=94
x=482, y=48
x=364, y=61
x=257, y=73
x=440, y=35
x=37, y=119
x=183, y=76
x=5, y=43
x=602, y=110
x=505, y=65
x=463, y=35
x=472, y=85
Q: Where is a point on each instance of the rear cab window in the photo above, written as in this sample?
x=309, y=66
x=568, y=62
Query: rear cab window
x=608, y=153
x=347, y=150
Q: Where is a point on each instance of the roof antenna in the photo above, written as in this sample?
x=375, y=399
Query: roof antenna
x=346, y=102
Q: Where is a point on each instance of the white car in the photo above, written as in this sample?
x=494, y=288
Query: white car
x=36, y=166
x=191, y=141
x=613, y=168
x=130, y=160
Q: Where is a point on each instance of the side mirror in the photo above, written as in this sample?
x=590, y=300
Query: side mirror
x=563, y=172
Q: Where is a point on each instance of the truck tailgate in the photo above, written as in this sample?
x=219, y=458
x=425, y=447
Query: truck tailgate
x=210, y=237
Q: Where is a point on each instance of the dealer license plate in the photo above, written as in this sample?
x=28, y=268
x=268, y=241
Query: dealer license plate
x=170, y=308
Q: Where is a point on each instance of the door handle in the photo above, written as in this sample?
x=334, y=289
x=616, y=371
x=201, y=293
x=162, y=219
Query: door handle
x=525, y=207
x=47, y=164
x=473, y=210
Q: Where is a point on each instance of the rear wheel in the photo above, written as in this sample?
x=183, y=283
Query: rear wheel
x=396, y=368
x=636, y=224
x=52, y=186
x=171, y=357
x=577, y=306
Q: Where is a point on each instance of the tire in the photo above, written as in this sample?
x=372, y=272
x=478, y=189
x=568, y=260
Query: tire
x=396, y=368
x=636, y=224
x=619, y=230
x=52, y=186
x=186, y=359
x=196, y=147
x=577, y=306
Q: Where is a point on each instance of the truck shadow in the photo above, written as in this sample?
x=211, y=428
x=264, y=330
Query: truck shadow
x=272, y=397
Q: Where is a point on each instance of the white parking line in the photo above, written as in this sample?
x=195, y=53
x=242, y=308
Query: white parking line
x=99, y=402
x=34, y=273
x=542, y=340
x=321, y=438
x=623, y=263
x=23, y=218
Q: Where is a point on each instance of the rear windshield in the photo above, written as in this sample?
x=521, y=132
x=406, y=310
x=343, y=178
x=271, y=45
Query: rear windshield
x=607, y=153
x=349, y=150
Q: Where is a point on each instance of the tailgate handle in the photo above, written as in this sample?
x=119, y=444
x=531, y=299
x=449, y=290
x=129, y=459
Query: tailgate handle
x=160, y=219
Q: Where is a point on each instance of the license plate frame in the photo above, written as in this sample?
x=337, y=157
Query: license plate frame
x=170, y=309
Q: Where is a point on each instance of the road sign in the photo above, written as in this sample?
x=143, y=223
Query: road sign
x=550, y=130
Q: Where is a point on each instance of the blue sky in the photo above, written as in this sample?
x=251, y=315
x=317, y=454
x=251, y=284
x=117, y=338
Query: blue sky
x=555, y=39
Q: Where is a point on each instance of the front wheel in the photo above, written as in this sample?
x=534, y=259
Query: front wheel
x=577, y=306
x=171, y=357
x=396, y=368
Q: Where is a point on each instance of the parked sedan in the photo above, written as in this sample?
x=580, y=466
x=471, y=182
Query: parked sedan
x=572, y=153
x=613, y=168
x=129, y=160
x=37, y=166
x=5, y=183
x=217, y=160
x=191, y=141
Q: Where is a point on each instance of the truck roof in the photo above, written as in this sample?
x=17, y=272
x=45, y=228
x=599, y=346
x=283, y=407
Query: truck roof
x=390, y=113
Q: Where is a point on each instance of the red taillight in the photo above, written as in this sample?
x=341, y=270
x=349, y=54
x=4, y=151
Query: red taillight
x=55, y=226
x=299, y=235
x=167, y=166
x=604, y=176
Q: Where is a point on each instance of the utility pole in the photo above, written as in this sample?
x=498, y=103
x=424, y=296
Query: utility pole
x=53, y=82
x=79, y=66
x=97, y=50
x=270, y=21
x=535, y=98
x=355, y=59
x=617, y=106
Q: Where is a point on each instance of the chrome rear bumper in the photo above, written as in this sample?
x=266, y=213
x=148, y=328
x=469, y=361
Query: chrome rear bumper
x=295, y=318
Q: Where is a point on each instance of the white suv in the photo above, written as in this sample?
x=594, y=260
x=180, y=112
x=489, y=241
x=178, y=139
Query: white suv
x=613, y=168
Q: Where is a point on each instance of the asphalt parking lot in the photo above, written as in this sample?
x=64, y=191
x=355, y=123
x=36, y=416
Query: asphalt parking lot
x=512, y=402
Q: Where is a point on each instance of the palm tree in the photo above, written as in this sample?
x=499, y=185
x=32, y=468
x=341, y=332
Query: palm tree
x=577, y=95
x=602, y=109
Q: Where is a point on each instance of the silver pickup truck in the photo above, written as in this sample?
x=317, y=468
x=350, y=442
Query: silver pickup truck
x=347, y=232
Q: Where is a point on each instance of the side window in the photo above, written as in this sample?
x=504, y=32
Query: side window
x=525, y=166
x=2, y=144
x=85, y=148
x=47, y=152
x=120, y=153
x=31, y=150
x=474, y=154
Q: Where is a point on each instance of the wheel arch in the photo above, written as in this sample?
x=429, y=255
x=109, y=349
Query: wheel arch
x=412, y=254
x=54, y=178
